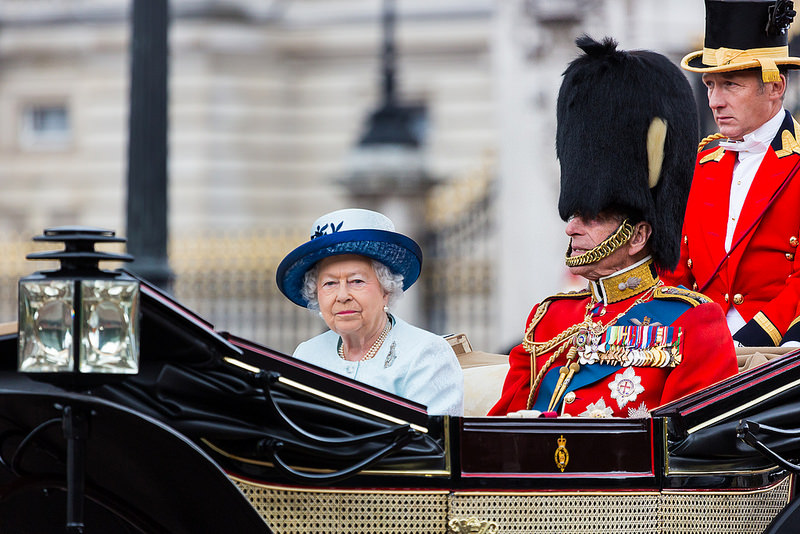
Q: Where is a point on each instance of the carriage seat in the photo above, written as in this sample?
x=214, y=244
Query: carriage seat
x=749, y=357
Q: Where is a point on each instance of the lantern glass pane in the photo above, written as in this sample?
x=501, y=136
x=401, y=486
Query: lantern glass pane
x=45, y=326
x=109, y=327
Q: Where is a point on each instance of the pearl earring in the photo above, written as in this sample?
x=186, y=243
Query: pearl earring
x=386, y=309
x=320, y=314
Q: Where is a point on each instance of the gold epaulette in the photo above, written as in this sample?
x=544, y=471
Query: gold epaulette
x=715, y=155
x=680, y=293
x=789, y=144
x=577, y=294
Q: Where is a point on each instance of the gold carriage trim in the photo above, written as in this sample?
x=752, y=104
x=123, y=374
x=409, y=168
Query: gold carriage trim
x=625, y=512
x=562, y=454
x=324, y=511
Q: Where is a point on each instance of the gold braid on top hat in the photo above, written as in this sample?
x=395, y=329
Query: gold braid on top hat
x=604, y=249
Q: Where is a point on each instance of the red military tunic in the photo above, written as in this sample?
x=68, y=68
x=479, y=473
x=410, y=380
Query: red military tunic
x=607, y=390
x=761, y=278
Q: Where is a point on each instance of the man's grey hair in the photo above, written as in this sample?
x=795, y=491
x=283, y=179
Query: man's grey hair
x=391, y=283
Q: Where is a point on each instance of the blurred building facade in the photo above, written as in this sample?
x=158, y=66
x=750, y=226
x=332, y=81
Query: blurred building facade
x=267, y=101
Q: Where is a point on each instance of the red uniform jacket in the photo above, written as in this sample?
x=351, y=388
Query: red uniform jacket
x=761, y=278
x=707, y=357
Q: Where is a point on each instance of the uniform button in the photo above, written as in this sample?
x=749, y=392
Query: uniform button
x=789, y=256
x=569, y=398
x=738, y=298
x=689, y=263
x=726, y=297
x=686, y=239
x=694, y=286
x=793, y=241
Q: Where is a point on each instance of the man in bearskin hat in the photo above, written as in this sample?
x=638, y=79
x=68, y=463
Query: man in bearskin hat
x=625, y=142
x=742, y=223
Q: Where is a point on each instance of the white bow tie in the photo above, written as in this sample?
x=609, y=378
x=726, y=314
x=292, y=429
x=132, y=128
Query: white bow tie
x=748, y=145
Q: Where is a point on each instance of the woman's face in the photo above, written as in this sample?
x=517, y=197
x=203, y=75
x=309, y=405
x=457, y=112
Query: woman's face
x=351, y=298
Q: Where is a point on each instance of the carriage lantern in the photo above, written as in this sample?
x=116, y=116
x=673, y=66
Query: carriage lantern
x=78, y=320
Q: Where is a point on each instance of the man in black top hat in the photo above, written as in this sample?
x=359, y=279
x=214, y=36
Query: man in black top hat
x=742, y=222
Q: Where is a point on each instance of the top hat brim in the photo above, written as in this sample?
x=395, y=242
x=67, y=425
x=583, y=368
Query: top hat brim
x=694, y=62
x=399, y=253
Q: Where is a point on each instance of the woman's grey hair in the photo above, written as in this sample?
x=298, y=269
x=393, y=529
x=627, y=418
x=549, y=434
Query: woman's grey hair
x=391, y=283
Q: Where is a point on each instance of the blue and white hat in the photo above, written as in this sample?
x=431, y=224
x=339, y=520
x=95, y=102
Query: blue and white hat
x=350, y=231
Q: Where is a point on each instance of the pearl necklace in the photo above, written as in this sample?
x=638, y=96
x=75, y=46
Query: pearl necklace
x=373, y=350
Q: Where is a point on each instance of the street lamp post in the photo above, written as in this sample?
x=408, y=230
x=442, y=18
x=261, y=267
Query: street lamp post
x=147, y=144
x=386, y=168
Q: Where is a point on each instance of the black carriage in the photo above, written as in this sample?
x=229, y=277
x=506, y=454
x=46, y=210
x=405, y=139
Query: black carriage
x=216, y=433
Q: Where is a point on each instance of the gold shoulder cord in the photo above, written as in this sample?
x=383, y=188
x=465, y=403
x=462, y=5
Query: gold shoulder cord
x=536, y=348
x=564, y=339
x=708, y=139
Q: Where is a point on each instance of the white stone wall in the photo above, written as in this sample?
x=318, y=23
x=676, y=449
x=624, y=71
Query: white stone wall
x=267, y=101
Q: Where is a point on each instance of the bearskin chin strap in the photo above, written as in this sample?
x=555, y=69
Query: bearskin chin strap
x=621, y=236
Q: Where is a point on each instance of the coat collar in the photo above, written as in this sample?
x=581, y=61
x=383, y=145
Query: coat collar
x=624, y=284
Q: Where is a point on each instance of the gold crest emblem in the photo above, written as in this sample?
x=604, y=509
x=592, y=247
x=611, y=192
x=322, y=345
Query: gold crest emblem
x=472, y=526
x=562, y=454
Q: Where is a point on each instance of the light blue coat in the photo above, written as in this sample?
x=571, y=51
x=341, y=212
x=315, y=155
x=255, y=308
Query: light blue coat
x=412, y=363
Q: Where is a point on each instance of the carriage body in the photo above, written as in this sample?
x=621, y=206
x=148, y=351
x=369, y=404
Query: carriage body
x=214, y=422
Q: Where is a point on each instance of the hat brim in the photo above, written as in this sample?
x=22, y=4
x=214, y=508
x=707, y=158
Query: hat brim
x=399, y=253
x=694, y=62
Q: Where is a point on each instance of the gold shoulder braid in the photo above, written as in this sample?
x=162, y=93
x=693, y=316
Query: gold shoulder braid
x=684, y=295
x=577, y=335
x=708, y=139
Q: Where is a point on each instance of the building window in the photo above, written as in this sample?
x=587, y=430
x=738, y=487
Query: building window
x=45, y=127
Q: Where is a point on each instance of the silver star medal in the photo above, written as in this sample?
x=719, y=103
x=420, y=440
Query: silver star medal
x=640, y=412
x=597, y=410
x=626, y=387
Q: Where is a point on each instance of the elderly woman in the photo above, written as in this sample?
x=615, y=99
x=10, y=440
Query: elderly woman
x=352, y=270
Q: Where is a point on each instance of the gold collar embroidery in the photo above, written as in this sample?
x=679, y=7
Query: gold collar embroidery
x=625, y=284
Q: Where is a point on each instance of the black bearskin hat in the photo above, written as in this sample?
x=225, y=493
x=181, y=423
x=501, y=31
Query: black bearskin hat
x=626, y=139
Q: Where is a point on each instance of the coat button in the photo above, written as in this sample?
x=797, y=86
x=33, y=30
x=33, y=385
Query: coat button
x=686, y=240
x=689, y=263
x=789, y=256
x=793, y=241
x=569, y=398
x=738, y=298
x=726, y=297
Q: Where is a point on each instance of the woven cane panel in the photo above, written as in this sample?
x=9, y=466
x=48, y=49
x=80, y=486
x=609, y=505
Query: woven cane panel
x=329, y=512
x=561, y=514
x=729, y=513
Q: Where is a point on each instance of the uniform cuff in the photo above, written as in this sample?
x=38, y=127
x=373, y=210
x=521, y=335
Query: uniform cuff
x=793, y=333
x=753, y=334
